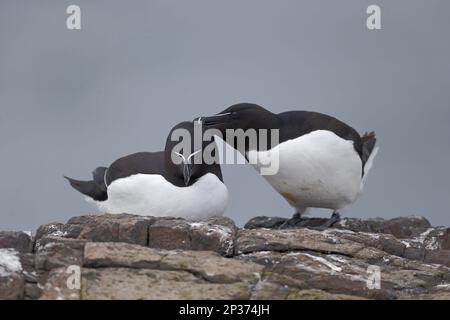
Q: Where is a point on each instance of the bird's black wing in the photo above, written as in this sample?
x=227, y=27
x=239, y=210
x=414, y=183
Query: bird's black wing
x=298, y=123
x=141, y=162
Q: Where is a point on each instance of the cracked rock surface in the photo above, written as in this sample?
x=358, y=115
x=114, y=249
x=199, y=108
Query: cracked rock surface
x=133, y=257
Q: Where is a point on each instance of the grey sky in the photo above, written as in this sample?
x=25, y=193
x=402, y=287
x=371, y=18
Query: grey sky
x=73, y=100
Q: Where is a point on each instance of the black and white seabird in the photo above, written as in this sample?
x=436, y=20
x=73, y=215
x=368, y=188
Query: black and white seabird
x=323, y=162
x=151, y=184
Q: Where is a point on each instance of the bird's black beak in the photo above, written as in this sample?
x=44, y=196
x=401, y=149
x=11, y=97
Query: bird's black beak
x=187, y=171
x=214, y=120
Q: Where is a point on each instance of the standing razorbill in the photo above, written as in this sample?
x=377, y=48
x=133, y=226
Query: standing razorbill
x=151, y=183
x=323, y=162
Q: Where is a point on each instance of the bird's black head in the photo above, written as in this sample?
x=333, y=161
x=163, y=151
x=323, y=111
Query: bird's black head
x=241, y=116
x=237, y=123
x=186, y=154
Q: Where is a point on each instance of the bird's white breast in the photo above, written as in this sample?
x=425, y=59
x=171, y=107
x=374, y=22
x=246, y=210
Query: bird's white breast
x=153, y=195
x=318, y=169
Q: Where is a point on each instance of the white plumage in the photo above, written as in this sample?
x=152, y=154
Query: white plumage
x=153, y=195
x=318, y=169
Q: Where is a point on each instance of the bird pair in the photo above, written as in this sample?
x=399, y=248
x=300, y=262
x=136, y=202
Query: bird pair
x=322, y=163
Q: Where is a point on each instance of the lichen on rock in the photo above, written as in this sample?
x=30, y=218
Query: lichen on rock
x=133, y=257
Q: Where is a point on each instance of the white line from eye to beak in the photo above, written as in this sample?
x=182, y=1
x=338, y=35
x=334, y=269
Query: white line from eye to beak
x=180, y=155
x=186, y=161
x=193, y=154
x=222, y=114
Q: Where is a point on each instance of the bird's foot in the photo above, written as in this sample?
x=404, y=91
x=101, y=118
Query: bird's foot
x=292, y=222
x=335, y=218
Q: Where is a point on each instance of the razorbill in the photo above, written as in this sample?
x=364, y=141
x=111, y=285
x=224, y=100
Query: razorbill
x=323, y=162
x=153, y=184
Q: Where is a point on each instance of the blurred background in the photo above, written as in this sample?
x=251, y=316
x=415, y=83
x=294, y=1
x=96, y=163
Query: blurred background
x=72, y=100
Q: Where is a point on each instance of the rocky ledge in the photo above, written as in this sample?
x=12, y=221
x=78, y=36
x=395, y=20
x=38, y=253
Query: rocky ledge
x=133, y=257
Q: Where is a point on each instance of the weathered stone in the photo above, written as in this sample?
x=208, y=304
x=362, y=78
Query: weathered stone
x=406, y=227
x=433, y=238
x=11, y=279
x=204, y=264
x=402, y=227
x=438, y=256
x=445, y=239
x=168, y=258
x=414, y=253
x=293, y=239
x=11, y=286
x=33, y=291
x=46, y=241
x=57, y=288
x=346, y=275
x=306, y=270
x=58, y=254
x=31, y=277
x=383, y=242
x=108, y=254
x=155, y=284
x=212, y=267
x=265, y=290
x=54, y=229
x=284, y=223
x=264, y=222
x=17, y=240
x=216, y=235
x=113, y=228
x=438, y=295
x=439, y=292
x=314, y=294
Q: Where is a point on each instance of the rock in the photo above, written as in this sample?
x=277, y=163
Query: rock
x=11, y=287
x=216, y=234
x=439, y=257
x=445, y=239
x=438, y=295
x=439, y=292
x=264, y=222
x=277, y=222
x=114, y=228
x=17, y=240
x=345, y=275
x=155, y=284
x=306, y=270
x=49, y=241
x=11, y=279
x=432, y=239
x=294, y=239
x=204, y=264
x=314, y=294
x=265, y=290
x=55, y=229
x=169, y=258
x=58, y=254
x=57, y=288
x=383, y=242
x=406, y=227
x=212, y=267
x=102, y=254
x=33, y=291
x=102, y=228
x=402, y=227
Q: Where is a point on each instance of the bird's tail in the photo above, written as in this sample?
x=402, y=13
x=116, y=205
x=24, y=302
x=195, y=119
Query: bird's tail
x=369, y=152
x=96, y=188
